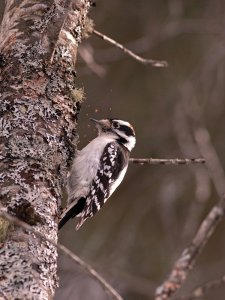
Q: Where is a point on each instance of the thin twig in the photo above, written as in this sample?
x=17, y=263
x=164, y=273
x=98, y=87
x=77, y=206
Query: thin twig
x=206, y=148
x=86, y=53
x=165, y=161
x=201, y=291
x=154, y=63
x=189, y=256
x=86, y=267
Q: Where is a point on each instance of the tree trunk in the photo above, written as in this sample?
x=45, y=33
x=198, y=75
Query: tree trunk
x=38, y=47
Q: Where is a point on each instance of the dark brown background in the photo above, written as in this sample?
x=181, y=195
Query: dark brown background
x=134, y=240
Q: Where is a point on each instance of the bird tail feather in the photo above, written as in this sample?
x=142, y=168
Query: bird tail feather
x=73, y=210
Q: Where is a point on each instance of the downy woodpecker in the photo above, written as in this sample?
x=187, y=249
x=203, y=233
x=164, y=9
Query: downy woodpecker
x=98, y=169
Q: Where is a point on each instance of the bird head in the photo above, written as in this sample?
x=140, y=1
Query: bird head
x=122, y=131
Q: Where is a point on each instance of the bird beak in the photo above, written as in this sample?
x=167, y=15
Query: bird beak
x=100, y=123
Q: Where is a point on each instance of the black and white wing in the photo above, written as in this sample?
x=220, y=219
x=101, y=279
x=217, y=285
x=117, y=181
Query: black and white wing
x=110, y=173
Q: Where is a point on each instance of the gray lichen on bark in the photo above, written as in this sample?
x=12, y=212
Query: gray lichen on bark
x=38, y=46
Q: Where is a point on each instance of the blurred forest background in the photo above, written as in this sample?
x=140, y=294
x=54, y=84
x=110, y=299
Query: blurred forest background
x=135, y=239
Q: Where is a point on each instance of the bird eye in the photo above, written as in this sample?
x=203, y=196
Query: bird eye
x=116, y=124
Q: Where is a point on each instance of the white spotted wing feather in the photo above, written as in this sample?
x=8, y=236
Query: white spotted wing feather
x=110, y=173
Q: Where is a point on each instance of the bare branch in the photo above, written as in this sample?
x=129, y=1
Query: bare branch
x=202, y=291
x=169, y=161
x=145, y=61
x=86, y=53
x=86, y=267
x=216, y=172
x=186, y=261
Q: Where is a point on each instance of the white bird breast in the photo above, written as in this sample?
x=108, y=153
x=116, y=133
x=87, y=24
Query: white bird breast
x=85, y=167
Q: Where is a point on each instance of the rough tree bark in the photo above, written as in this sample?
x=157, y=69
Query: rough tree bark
x=38, y=114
